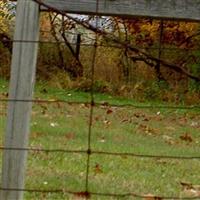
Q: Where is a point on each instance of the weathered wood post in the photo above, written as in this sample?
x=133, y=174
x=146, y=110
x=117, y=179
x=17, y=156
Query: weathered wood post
x=23, y=69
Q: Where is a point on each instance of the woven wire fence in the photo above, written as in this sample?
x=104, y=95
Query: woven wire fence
x=90, y=151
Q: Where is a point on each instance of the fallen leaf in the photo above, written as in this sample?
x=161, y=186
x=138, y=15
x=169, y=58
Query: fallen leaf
x=160, y=161
x=186, y=137
x=151, y=197
x=97, y=169
x=102, y=139
x=97, y=118
x=183, y=121
x=53, y=124
x=107, y=122
x=84, y=195
x=138, y=115
x=143, y=127
x=146, y=119
x=170, y=128
x=35, y=135
x=45, y=182
x=70, y=136
x=83, y=105
x=194, y=124
x=104, y=103
x=168, y=139
x=109, y=111
x=186, y=185
x=125, y=120
x=148, y=130
x=158, y=113
x=190, y=189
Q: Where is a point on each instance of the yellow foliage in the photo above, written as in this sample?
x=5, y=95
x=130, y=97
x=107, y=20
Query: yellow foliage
x=5, y=17
x=147, y=31
x=45, y=26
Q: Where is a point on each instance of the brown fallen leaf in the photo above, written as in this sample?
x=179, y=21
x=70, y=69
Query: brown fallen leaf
x=183, y=121
x=70, y=136
x=104, y=103
x=98, y=169
x=194, y=124
x=190, y=189
x=125, y=120
x=109, y=111
x=168, y=139
x=186, y=137
x=97, y=118
x=107, y=122
x=162, y=162
x=152, y=197
x=84, y=195
x=148, y=130
x=186, y=185
x=102, y=139
x=84, y=105
x=138, y=115
x=142, y=127
x=35, y=135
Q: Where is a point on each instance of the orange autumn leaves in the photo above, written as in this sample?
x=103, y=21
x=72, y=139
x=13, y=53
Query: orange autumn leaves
x=147, y=31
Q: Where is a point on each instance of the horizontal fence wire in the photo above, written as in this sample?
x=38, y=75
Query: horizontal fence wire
x=118, y=46
x=90, y=152
x=87, y=193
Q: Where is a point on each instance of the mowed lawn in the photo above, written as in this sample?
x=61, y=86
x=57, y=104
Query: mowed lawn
x=117, y=129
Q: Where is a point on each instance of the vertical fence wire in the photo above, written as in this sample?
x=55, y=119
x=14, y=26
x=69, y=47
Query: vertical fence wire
x=93, y=61
x=161, y=27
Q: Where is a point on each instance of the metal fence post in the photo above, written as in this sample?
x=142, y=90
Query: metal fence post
x=23, y=69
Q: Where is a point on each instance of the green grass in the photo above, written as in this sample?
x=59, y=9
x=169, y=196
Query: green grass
x=153, y=131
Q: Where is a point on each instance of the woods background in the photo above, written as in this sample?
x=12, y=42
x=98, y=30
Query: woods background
x=145, y=59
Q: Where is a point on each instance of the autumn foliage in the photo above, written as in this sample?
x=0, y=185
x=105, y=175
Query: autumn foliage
x=158, y=51
x=147, y=32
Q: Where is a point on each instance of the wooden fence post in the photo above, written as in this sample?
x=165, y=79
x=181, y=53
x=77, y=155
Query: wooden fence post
x=23, y=69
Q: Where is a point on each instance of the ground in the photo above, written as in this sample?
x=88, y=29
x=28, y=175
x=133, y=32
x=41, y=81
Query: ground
x=119, y=126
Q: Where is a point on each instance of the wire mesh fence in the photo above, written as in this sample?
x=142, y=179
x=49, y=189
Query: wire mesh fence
x=83, y=154
x=103, y=154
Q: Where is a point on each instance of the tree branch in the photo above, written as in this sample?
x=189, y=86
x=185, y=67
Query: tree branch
x=123, y=44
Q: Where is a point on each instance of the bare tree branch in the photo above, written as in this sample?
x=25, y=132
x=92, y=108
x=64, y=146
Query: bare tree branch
x=113, y=38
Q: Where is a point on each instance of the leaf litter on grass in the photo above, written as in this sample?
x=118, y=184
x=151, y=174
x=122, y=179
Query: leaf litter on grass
x=118, y=130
